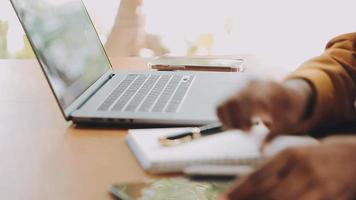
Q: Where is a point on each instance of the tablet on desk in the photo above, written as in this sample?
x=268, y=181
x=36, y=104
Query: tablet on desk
x=197, y=64
x=170, y=188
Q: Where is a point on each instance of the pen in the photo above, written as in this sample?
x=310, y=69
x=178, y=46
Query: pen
x=194, y=133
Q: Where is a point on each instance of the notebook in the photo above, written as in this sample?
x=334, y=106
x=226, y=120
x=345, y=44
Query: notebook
x=227, y=148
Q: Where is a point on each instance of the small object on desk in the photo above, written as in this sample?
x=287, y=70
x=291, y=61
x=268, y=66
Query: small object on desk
x=232, y=147
x=197, y=64
x=194, y=133
x=170, y=188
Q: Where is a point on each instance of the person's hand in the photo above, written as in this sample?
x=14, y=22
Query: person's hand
x=281, y=106
x=326, y=171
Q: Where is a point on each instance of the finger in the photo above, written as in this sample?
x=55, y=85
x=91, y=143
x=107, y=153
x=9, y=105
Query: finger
x=261, y=181
x=316, y=193
x=233, y=115
x=312, y=194
x=224, y=115
x=240, y=115
x=339, y=139
x=228, y=112
x=269, y=137
x=221, y=115
x=223, y=197
x=345, y=194
x=293, y=185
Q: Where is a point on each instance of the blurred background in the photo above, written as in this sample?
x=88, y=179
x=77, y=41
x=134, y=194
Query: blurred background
x=281, y=32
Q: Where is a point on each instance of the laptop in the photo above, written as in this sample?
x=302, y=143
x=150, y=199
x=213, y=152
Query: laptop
x=88, y=90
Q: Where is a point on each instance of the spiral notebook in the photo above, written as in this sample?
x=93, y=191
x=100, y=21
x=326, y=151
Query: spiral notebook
x=227, y=148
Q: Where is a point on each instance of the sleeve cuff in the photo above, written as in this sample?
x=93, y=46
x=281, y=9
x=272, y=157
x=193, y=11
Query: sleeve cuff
x=322, y=85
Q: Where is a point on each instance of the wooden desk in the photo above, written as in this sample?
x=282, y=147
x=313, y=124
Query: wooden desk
x=44, y=157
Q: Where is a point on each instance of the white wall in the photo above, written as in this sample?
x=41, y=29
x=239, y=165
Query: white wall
x=283, y=32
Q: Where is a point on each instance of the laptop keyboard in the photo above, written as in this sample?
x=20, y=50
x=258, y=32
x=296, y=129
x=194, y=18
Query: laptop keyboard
x=148, y=93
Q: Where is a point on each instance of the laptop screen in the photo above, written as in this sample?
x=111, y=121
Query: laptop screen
x=66, y=44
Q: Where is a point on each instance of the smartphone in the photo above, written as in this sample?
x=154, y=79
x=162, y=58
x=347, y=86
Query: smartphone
x=197, y=64
x=170, y=188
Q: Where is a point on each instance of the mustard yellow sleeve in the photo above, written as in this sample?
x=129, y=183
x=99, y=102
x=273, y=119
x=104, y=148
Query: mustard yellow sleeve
x=332, y=76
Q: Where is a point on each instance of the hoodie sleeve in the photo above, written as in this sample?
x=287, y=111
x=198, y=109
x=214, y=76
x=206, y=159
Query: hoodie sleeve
x=332, y=76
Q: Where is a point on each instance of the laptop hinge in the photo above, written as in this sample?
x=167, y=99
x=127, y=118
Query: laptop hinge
x=83, y=98
x=95, y=91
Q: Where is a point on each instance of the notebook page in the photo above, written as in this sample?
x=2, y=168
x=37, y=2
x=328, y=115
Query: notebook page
x=230, y=147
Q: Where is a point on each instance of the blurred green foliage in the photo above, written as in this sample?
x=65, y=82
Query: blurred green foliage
x=4, y=27
x=25, y=53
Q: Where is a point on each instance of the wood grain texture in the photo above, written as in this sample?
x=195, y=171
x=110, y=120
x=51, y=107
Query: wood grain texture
x=45, y=157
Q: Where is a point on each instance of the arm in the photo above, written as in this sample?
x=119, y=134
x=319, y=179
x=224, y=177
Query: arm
x=332, y=77
x=321, y=93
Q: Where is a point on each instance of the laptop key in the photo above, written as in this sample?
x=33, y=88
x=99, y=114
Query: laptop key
x=145, y=93
x=154, y=94
x=178, y=96
x=117, y=92
x=166, y=94
x=122, y=101
x=141, y=94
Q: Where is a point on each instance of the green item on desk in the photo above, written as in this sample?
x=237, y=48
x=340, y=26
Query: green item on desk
x=171, y=188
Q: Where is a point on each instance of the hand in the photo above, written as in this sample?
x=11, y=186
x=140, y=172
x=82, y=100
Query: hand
x=280, y=106
x=326, y=171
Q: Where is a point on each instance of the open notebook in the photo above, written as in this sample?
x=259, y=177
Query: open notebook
x=229, y=148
